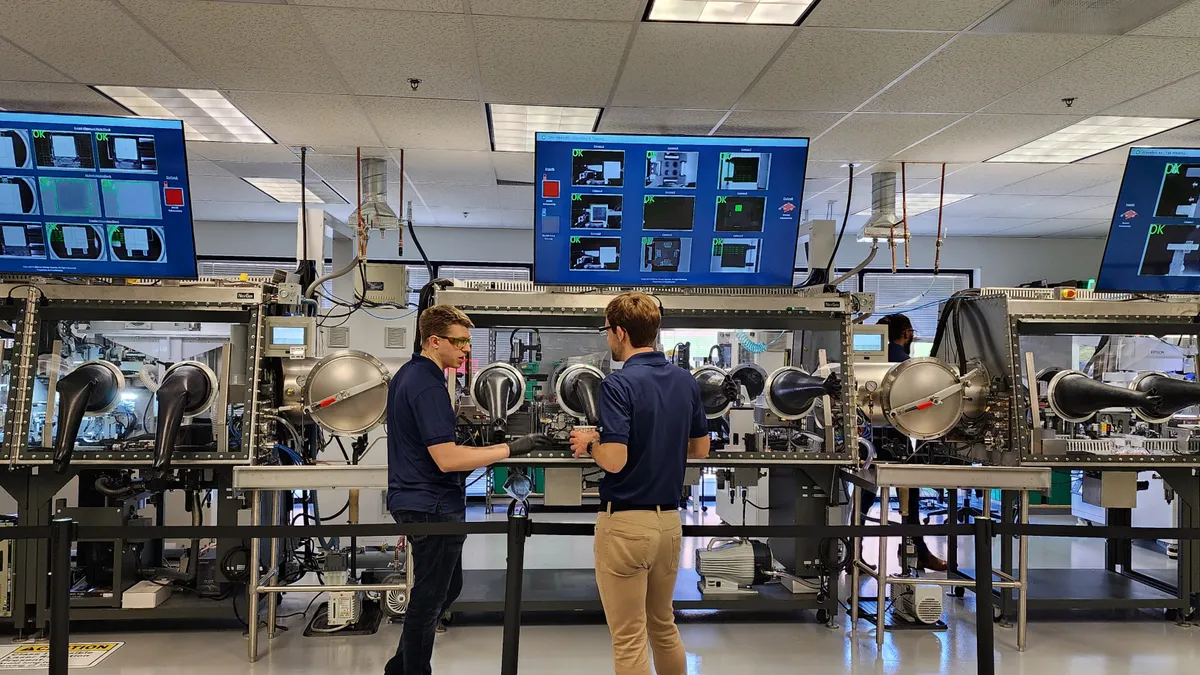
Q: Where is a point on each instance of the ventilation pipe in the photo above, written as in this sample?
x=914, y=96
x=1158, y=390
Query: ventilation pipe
x=881, y=226
x=374, y=209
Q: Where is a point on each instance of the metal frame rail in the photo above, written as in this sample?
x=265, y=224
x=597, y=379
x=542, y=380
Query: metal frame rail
x=63, y=532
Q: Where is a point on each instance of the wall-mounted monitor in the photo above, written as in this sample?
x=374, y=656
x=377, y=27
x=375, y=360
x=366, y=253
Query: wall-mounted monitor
x=629, y=210
x=86, y=195
x=1154, y=241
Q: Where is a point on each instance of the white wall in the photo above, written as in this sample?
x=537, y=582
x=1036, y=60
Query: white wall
x=1002, y=261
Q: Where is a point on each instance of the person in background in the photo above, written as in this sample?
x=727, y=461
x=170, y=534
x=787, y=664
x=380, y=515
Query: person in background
x=900, y=339
x=651, y=422
x=426, y=468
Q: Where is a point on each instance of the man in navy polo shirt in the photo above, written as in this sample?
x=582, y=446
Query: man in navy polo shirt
x=651, y=421
x=426, y=471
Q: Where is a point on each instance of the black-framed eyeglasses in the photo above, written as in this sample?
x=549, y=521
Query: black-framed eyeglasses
x=459, y=342
x=605, y=328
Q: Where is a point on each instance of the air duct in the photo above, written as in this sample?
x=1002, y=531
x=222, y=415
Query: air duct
x=374, y=210
x=883, y=221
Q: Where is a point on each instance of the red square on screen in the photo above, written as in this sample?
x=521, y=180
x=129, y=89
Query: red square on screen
x=174, y=196
x=550, y=189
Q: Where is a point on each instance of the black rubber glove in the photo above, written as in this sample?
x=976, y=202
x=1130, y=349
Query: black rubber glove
x=524, y=445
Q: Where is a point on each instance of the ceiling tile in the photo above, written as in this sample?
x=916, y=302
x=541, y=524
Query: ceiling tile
x=1109, y=190
x=243, y=45
x=981, y=137
x=978, y=179
x=430, y=166
x=964, y=77
x=436, y=49
x=20, y=66
x=202, y=167
x=93, y=41
x=451, y=6
x=873, y=136
x=695, y=65
x=545, y=62
x=1178, y=99
x=1059, y=207
x=983, y=227
x=460, y=195
x=1069, y=179
x=225, y=189
x=517, y=219
x=56, y=98
x=307, y=119
x=1115, y=72
x=815, y=73
x=992, y=206
x=658, y=120
x=826, y=169
x=605, y=10
x=910, y=14
x=1181, y=22
x=518, y=198
x=453, y=216
x=515, y=166
x=427, y=123
x=241, y=152
x=1068, y=227
x=777, y=123
x=344, y=167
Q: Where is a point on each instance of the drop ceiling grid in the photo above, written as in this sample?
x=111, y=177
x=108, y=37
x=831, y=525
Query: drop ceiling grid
x=694, y=65
x=304, y=119
x=93, y=41
x=363, y=45
x=20, y=65
x=243, y=46
x=951, y=15
x=56, y=98
x=1181, y=22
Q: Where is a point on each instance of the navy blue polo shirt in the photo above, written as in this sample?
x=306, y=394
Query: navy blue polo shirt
x=896, y=353
x=420, y=414
x=653, y=407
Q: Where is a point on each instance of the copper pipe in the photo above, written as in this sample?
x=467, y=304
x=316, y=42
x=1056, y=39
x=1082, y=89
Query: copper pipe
x=904, y=208
x=937, y=255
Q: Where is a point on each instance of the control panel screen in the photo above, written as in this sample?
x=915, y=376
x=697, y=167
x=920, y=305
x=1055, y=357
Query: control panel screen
x=625, y=210
x=94, y=196
x=868, y=342
x=290, y=336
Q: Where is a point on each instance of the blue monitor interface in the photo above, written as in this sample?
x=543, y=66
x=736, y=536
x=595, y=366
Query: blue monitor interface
x=1154, y=242
x=94, y=196
x=629, y=210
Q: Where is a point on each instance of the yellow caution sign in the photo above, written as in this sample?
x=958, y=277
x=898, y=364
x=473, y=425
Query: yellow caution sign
x=37, y=656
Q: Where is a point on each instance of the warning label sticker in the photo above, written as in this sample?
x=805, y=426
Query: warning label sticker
x=37, y=657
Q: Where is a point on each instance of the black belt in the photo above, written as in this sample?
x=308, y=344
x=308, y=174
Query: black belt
x=613, y=507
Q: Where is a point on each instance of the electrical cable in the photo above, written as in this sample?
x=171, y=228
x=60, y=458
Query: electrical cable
x=845, y=221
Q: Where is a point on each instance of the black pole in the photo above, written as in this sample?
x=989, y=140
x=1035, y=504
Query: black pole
x=985, y=638
x=62, y=532
x=518, y=529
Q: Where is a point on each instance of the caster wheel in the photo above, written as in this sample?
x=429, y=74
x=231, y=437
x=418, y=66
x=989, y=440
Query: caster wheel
x=958, y=592
x=822, y=616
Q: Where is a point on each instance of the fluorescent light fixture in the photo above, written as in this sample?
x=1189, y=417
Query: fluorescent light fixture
x=1089, y=137
x=779, y=12
x=207, y=115
x=284, y=190
x=513, y=126
x=919, y=203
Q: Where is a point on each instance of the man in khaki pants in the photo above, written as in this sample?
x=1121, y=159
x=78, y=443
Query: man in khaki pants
x=651, y=421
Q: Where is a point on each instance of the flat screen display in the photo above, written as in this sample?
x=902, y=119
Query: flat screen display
x=868, y=342
x=627, y=210
x=1154, y=242
x=288, y=336
x=94, y=196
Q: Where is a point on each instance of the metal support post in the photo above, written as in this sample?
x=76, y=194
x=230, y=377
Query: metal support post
x=272, y=601
x=952, y=540
x=518, y=530
x=985, y=636
x=855, y=575
x=1008, y=514
x=252, y=587
x=62, y=533
x=881, y=569
x=1023, y=575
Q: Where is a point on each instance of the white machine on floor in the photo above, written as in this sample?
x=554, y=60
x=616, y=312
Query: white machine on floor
x=918, y=603
x=732, y=566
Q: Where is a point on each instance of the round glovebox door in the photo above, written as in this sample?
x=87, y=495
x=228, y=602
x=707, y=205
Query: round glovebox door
x=346, y=370
x=918, y=379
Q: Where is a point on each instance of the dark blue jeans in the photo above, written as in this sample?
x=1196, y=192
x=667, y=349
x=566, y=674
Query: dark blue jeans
x=437, y=581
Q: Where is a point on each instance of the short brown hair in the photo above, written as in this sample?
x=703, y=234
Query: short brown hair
x=436, y=319
x=638, y=314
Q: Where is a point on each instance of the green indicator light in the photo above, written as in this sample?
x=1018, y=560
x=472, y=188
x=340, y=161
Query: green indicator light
x=1091, y=284
x=737, y=209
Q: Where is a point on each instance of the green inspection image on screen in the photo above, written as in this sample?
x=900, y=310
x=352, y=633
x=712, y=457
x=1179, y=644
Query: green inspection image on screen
x=69, y=197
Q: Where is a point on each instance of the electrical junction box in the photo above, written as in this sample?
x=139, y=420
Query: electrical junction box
x=386, y=282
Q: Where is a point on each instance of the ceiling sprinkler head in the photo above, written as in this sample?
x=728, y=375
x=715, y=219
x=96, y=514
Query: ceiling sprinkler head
x=414, y=83
x=1069, y=101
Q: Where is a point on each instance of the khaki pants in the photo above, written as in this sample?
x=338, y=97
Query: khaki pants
x=637, y=560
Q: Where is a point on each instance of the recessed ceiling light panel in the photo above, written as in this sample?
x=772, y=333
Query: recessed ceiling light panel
x=1092, y=136
x=514, y=126
x=207, y=115
x=287, y=190
x=777, y=12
